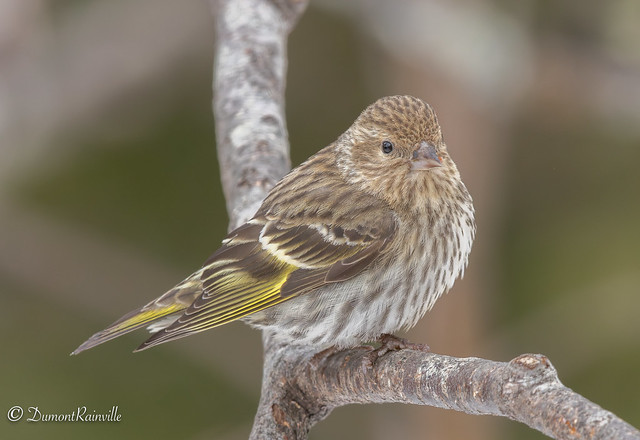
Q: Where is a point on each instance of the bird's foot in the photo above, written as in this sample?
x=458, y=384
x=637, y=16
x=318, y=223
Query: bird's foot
x=390, y=343
x=387, y=343
x=393, y=343
x=320, y=356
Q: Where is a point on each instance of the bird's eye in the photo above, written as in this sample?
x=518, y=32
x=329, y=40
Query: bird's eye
x=387, y=147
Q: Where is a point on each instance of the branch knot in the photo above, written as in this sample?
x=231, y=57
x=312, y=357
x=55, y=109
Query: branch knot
x=532, y=369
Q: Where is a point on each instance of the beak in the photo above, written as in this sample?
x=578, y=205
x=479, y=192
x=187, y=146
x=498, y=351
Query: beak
x=425, y=157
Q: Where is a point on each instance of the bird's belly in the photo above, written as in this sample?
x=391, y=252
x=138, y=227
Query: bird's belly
x=355, y=311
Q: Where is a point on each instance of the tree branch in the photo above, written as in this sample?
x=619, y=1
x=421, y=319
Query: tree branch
x=526, y=389
x=297, y=392
x=249, y=82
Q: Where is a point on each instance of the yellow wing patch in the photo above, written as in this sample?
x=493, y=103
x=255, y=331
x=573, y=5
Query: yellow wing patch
x=236, y=295
x=146, y=317
x=231, y=293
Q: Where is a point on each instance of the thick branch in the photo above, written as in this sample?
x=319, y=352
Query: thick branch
x=526, y=389
x=297, y=392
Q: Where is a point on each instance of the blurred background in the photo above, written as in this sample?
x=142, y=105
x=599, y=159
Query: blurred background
x=110, y=194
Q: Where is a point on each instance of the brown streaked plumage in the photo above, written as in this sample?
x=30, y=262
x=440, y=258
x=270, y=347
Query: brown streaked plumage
x=359, y=240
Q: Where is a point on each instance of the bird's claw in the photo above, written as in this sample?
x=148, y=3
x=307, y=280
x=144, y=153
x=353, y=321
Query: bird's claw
x=317, y=358
x=390, y=343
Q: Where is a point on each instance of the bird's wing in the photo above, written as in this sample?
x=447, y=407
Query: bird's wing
x=270, y=260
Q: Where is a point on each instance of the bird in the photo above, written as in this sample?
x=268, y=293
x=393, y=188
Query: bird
x=357, y=242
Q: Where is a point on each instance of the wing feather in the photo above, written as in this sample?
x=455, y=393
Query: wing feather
x=167, y=308
x=270, y=260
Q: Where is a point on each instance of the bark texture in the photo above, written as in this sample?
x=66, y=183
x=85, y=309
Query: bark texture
x=249, y=81
x=299, y=389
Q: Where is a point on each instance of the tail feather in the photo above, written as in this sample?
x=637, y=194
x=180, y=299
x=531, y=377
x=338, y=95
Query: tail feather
x=156, y=315
x=131, y=321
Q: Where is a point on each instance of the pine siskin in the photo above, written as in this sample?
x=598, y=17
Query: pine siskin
x=358, y=241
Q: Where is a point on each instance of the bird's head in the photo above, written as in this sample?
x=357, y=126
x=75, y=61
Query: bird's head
x=395, y=151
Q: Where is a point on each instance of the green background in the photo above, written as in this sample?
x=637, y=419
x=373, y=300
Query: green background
x=144, y=178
